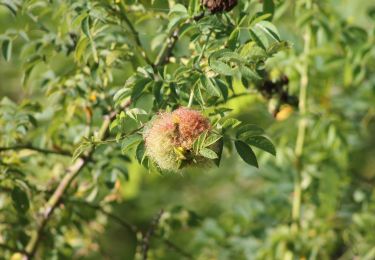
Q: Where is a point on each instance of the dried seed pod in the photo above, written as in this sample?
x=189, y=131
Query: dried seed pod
x=216, y=6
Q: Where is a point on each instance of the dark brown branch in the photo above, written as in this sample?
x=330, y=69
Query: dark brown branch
x=147, y=237
x=37, y=149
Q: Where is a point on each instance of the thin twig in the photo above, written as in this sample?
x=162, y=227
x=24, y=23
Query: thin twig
x=177, y=249
x=125, y=18
x=12, y=249
x=130, y=226
x=167, y=48
x=37, y=149
x=204, y=47
x=147, y=237
x=99, y=208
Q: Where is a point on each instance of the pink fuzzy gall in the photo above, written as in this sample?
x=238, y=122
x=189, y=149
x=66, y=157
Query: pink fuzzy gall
x=171, y=130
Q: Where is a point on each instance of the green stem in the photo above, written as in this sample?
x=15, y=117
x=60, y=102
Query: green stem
x=191, y=98
x=204, y=48
x=302, y=125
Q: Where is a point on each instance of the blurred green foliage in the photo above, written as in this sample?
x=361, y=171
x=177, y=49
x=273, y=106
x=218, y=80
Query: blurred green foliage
x=60, y=70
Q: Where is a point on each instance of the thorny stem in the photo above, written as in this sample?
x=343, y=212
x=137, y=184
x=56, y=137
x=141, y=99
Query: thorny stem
x=302, y=125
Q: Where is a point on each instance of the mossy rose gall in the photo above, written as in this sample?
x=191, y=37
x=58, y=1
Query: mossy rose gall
x=170, y=136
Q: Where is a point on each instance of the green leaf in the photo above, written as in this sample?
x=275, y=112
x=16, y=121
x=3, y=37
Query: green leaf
x=260, y=18
x=197, y=145
x=6, y=49
x=269, y=7
x=20, y=199
x=219, y=148
x=248, y=130
x=110, y=179
x=223, y=88
x=186, y=27
x=156, y=91
x=246, y=153
x=85, y=26
x=12, y=7
x=210, y=87
x=233, y=38
x=275, y=47
x=259, y=38
x=210, y=140
x=208, y=153
x=227, y=55
x=138, y=88
x=178, y=9
x=262, y=143
x=193, y=6
x=220, y=67
x=249, y=74
x=198, y=94
x=114, y=124
x=130, y=141
x=82, y=147
x=121, y=94
x=140, y=152
x=81, y=48
x=231, y=123
x=93, y=50
x=134, y=112
x=269, y=29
